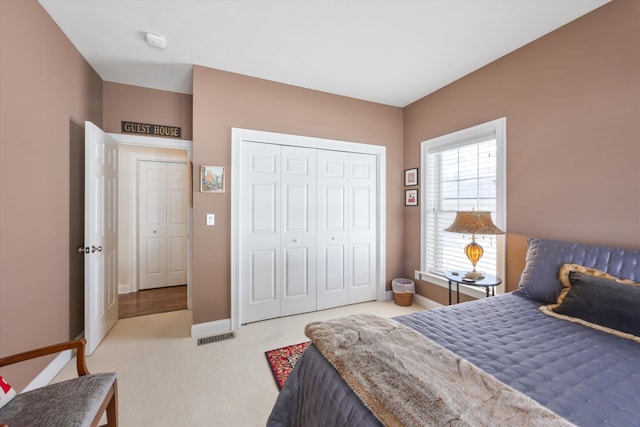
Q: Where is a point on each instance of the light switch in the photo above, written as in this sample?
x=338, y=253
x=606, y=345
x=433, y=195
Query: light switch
x=211, y=219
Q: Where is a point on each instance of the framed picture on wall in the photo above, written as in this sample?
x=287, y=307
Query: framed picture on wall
x=211, y=179
x=411, y=197
x=410, y=177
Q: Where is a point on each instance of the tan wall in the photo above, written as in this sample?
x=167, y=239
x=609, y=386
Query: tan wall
x=142, y=105
x=224, y=100
x=47, y=91
x=572, y=102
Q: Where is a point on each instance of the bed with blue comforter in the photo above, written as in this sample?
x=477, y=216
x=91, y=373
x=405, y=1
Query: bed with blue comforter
x=575, y=365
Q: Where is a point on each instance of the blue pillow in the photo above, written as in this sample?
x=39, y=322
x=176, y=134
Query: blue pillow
x=602, y=302
x=540, y=279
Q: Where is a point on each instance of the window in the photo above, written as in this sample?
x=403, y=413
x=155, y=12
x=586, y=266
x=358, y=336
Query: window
x=464, y=170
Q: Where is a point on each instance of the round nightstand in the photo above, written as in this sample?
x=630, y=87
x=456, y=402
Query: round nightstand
x=457, y=277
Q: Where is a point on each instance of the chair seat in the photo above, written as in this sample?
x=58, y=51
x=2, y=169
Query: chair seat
x=69, y=403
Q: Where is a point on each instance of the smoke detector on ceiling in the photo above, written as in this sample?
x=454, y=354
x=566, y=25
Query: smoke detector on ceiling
x=156, y=40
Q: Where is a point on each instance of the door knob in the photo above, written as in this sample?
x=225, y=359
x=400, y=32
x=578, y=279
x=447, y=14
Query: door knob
x=83, y=250
x=154, y=231
x=295, y=240
x=96, y=249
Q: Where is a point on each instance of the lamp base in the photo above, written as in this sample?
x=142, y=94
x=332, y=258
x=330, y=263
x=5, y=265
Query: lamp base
x=474, y=275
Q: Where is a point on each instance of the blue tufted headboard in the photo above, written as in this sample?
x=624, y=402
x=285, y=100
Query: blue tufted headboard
x=539, y=278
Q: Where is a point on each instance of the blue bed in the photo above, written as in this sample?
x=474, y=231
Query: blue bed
x=587, y=376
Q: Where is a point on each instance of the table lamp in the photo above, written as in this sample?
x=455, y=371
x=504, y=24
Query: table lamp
x=474, y=222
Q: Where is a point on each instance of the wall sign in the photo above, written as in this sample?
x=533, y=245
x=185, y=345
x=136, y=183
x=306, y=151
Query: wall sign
x=151, y=129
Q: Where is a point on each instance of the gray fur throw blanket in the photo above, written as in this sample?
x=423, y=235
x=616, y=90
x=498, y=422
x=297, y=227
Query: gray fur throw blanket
x=406, y=379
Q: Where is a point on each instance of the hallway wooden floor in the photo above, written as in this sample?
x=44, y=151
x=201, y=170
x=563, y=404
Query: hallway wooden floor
x=151, y=301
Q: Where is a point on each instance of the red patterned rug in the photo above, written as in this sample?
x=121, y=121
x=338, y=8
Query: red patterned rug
x=282, y=361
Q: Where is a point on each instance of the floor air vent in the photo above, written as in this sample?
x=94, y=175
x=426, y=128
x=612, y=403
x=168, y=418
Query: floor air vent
x=216, y=338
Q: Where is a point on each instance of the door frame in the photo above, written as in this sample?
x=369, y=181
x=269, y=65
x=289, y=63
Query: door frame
x=176, y=144
x=240, y=136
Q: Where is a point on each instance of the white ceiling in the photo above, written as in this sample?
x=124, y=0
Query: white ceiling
x=387, y=51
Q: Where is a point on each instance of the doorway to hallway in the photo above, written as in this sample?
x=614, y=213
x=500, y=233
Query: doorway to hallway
x=150, y=245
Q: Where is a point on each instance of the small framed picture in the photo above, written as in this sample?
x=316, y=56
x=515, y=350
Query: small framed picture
x=211, y=179
x=411, y=197
x=410, y=177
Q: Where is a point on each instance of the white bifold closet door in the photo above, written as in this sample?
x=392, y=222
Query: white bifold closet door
x=163, y=191
x=307, y=230
x=278, y=221
x=346, y=228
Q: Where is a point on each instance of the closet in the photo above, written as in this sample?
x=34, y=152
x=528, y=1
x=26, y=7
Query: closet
x=307, y=229
x=163, y=223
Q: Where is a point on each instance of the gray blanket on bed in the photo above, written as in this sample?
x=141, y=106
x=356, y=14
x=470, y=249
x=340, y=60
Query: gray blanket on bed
x=384, y=363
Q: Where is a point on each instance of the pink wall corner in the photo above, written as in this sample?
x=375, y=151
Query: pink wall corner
x=224, y=100
x=47, y=92
x=571, y=100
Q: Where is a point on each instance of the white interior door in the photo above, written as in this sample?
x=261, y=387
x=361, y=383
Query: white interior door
x=298, y=238
x=177, y=223
x=152, y=200
x=361, y=224
x=260, y=222
x=100, y=235
x=163, y=224
x=332, y=229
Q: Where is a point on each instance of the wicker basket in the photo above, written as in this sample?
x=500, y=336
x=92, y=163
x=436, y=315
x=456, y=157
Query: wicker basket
x=404, y=300
x=403, y=290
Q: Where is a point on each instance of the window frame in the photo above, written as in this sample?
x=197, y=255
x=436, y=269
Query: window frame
x=451, y=140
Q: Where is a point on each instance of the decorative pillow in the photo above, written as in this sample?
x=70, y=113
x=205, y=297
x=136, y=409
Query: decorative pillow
x=598, y=300
x=6, y=392
x=540, y=279
x=563, y=275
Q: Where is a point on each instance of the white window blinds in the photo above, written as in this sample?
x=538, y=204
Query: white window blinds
x=460, y=173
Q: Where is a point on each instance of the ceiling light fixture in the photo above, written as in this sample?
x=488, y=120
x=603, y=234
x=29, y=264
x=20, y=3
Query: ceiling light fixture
x=156, y=40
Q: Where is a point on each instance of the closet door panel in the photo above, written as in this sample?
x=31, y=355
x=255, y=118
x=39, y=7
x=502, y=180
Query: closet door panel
x=361, y=223
x=361, y=261
x=260, y=227
x=263, y=276
x=334, y=272
x=332, y=229
x=298, y=238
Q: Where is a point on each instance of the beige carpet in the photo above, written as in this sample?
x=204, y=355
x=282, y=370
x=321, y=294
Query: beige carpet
x=165, y=379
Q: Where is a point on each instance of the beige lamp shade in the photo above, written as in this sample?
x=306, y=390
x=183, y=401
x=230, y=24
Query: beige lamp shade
x=473, y=222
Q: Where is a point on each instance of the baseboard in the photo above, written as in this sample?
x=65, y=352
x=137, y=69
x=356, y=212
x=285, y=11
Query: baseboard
x=425, y=302
x=124, y=288
x=417, y=299
x=49, y=373
x=206, y=329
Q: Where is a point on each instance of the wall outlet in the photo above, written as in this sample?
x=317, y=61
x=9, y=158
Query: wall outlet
x=211, y=219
